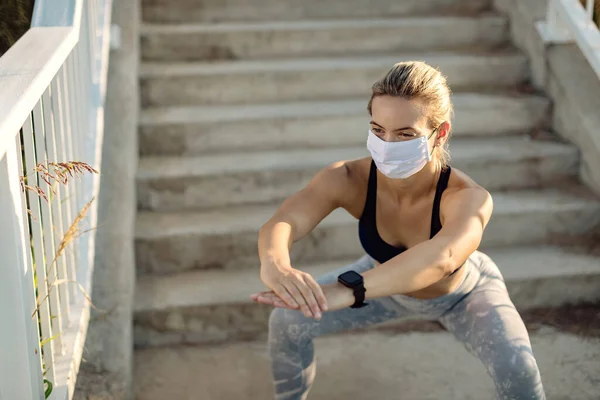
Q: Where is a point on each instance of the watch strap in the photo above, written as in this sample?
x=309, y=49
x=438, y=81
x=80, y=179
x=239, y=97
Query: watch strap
x=358, y=290
x=359, y=297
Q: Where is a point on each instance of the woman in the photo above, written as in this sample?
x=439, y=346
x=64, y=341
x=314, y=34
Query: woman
x=420, y=223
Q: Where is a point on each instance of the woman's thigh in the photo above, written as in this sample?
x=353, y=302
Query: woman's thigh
x=490, y=327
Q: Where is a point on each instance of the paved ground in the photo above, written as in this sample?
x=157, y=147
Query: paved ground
x=391, y=365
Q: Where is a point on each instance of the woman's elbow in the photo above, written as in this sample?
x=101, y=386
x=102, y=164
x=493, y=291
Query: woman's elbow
x=448, y=262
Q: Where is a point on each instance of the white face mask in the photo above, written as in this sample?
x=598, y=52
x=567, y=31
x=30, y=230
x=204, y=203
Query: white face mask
x=399, y=160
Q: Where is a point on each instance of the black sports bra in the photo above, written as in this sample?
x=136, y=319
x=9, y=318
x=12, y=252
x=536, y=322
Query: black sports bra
x=373, y=244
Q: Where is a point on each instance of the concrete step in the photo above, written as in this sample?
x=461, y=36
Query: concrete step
x=229, y=41
x=255, y=81
x=178, y=183
x=370, y=365
x=226, y=238
x=316, y=124
x=168, y=11
x=214, y=306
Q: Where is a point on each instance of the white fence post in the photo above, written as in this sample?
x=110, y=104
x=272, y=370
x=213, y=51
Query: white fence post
x=20, y=372
x=49, y=82
x=567, y=21
x=553, y=30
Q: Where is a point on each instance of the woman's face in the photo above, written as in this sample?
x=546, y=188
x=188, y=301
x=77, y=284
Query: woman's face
x=395, y=119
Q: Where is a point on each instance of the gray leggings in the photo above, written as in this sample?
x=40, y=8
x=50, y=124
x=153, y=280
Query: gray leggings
x=479, y=313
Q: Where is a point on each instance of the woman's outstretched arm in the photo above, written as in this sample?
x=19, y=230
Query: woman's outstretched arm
x=298, y=216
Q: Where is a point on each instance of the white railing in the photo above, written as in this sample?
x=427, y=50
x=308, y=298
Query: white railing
x=52, y=84
x=568, y=21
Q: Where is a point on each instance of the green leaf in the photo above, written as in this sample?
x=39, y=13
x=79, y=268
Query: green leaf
x=46, y=341
x=48, y=388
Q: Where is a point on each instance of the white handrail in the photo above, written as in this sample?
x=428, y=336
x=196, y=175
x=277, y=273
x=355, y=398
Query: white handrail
x=51, y=106
x=567, y=21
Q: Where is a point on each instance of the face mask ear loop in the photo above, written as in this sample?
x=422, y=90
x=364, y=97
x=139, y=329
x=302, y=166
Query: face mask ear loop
x=432, y=132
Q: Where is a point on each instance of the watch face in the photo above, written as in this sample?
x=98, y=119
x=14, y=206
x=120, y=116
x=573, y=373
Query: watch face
x=351, y=278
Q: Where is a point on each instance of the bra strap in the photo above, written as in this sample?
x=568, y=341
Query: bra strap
x=436, y=223
x=371, y=191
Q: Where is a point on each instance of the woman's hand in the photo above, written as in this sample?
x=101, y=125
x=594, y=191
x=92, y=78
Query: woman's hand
x=337, y=296
x=296, y=289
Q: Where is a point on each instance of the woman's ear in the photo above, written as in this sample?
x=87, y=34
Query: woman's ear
x=443, y=133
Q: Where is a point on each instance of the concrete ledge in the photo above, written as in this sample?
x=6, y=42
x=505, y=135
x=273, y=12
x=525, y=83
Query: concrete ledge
x=325, y=78
x=225, y=41
x=173, y=242
x=163, y=11
x=106, y=368
x=317, y=124
x=214, y=306
x=201, y=182
x=575, y=89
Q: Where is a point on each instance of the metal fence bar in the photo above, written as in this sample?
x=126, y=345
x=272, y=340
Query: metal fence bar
x=52, y=214
x=84, y=134
x=81, y=134
x=63, y=139
x=589, y=7
x=40, y=231
x=86, y=64
x=91, y=32
x=42, y=115
x=55, y=154
x=45, y=151
x=81, y=106
x=71, y=141
x=28, y=282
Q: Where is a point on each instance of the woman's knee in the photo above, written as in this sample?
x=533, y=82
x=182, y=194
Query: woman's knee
x=290, y=323
x=516, y=368
x=278, y=318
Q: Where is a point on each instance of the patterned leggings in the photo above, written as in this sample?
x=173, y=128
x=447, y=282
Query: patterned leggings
x=479, y=313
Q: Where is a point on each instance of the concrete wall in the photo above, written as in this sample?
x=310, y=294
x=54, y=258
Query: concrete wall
x=106, y=371
x=563, y=73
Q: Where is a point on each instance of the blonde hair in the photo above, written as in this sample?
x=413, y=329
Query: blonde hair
x=417, y=80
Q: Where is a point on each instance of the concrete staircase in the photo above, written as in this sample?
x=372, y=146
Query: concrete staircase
x=244, y=103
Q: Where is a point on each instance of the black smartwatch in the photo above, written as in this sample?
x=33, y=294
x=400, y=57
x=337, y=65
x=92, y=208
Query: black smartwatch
x=354, y=281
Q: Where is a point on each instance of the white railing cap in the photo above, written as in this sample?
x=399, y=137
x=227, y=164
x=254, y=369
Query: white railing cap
x=29, y=66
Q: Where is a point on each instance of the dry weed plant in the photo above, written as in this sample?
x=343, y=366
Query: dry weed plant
x=58, y=173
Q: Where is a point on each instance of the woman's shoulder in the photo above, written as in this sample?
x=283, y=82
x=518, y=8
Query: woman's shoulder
x=462, y=190
x=350, y=172
x=459, y=181
x=345, y=179
x=460, y=185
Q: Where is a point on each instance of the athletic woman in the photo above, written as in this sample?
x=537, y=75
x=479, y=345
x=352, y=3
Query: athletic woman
x=420, y=224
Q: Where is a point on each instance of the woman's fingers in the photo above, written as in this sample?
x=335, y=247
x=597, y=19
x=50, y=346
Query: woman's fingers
x=297, y=290
x=293, y=289
x=317, y=290
x=297, y=295
x=308, y=295
x=270, y=298
x=281, y=304
x=286, y=296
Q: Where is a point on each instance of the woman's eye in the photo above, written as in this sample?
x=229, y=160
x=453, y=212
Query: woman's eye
x=377, y=130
